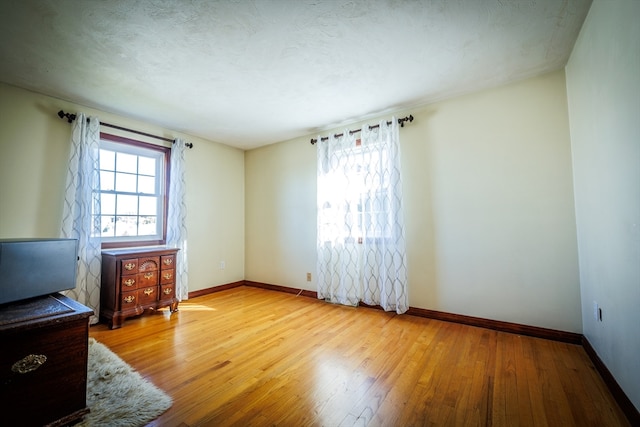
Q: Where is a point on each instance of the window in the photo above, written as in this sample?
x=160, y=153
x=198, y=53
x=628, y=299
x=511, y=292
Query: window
x=133, y=188
x=358, y=206
x=361, y=248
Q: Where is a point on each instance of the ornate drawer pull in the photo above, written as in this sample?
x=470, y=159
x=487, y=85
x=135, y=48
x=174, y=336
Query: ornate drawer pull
x=167, y=291
x=129, y=282
x=167, y=276
x=129, y=298
x=148, y=291
x=148, y=276
x=168, y=261
x=129, y=266
x=29, y=363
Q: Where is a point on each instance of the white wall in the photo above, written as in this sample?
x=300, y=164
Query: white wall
x=604, y=104
x=488, y=202
x=281, y=214
x=34, y=148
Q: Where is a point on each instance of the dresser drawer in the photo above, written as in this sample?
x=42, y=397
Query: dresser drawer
x=167, y=291
x=129, y=299
x=128, y=283
x=167, y=261
x=129, y=266
x=147, y=295
x=148, y=264
x=167, y=276
x=150, y=278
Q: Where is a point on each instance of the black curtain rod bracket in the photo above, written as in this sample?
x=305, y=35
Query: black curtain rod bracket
x=401, y=121
x=71, y=117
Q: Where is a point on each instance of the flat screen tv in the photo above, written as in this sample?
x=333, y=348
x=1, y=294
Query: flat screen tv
x=35, y=267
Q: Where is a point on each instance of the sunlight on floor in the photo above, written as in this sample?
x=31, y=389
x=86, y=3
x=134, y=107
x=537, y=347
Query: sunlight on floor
x=331, y=383
x=187, y=306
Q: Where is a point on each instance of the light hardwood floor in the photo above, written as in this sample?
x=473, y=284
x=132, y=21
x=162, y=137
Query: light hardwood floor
x=249, y=356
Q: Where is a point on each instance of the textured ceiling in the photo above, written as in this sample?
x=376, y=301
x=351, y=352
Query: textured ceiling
x=252, y=72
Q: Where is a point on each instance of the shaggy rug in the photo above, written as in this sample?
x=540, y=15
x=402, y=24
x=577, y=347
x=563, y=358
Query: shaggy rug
x=116, y=394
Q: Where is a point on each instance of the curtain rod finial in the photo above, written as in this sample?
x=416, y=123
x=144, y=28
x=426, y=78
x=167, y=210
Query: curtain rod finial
x=189, y=145
x=70, y=117
x=409, y=119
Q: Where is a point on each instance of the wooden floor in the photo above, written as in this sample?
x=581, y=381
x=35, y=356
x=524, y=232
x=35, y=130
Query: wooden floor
x=249, y=356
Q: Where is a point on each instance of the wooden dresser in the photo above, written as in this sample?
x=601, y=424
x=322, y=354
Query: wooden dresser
x=135, y=280
x=43, y=362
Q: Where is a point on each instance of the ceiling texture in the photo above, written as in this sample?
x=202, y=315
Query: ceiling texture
x=248, y=73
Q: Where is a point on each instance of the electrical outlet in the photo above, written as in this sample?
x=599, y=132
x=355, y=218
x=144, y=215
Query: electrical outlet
x=308, y=277
x=223, y=265
x=595, y=311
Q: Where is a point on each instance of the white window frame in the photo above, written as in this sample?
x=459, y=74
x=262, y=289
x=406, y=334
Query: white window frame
x=161, y=155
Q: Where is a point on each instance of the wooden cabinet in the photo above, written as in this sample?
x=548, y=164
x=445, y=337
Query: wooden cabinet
x=43, y=362
x=135, y=280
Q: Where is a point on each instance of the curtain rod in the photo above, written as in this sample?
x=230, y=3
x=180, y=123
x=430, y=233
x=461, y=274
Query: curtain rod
x=401, y=121
x=71, y=117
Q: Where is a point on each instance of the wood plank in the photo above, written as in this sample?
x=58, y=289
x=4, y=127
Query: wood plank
x=251, y=356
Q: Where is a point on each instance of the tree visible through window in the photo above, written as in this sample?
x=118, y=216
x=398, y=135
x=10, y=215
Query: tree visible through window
x=133, y=186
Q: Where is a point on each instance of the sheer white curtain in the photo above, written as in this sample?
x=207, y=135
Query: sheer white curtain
x=176, y=217
x=81, y=211
x=361, y=237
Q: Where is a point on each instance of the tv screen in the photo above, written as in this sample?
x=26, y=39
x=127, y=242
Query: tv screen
x=36, y=267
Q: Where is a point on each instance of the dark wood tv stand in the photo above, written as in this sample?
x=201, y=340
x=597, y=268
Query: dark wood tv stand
x=43, y=362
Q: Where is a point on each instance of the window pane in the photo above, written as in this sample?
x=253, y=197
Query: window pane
x=108, y=226
x=148, y=205
x=147, y=226
x=107, y=160
x=146, y=184
x=126, y=226
x=127, y=205
x=107, y=181
x=125, y=182
x=147, y=166
x=126, y=163
x=107, y=204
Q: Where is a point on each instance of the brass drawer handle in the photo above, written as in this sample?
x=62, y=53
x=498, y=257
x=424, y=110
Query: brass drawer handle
x=167, y=276
x=129, y=298
x=129, y=266
x=129, y=282
x=148, y=276
x=29, y=363
x=167, y=291
x=168, y=261
x=148, y=291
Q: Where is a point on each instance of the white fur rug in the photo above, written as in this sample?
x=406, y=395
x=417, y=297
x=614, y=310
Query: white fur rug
x=117, y=395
